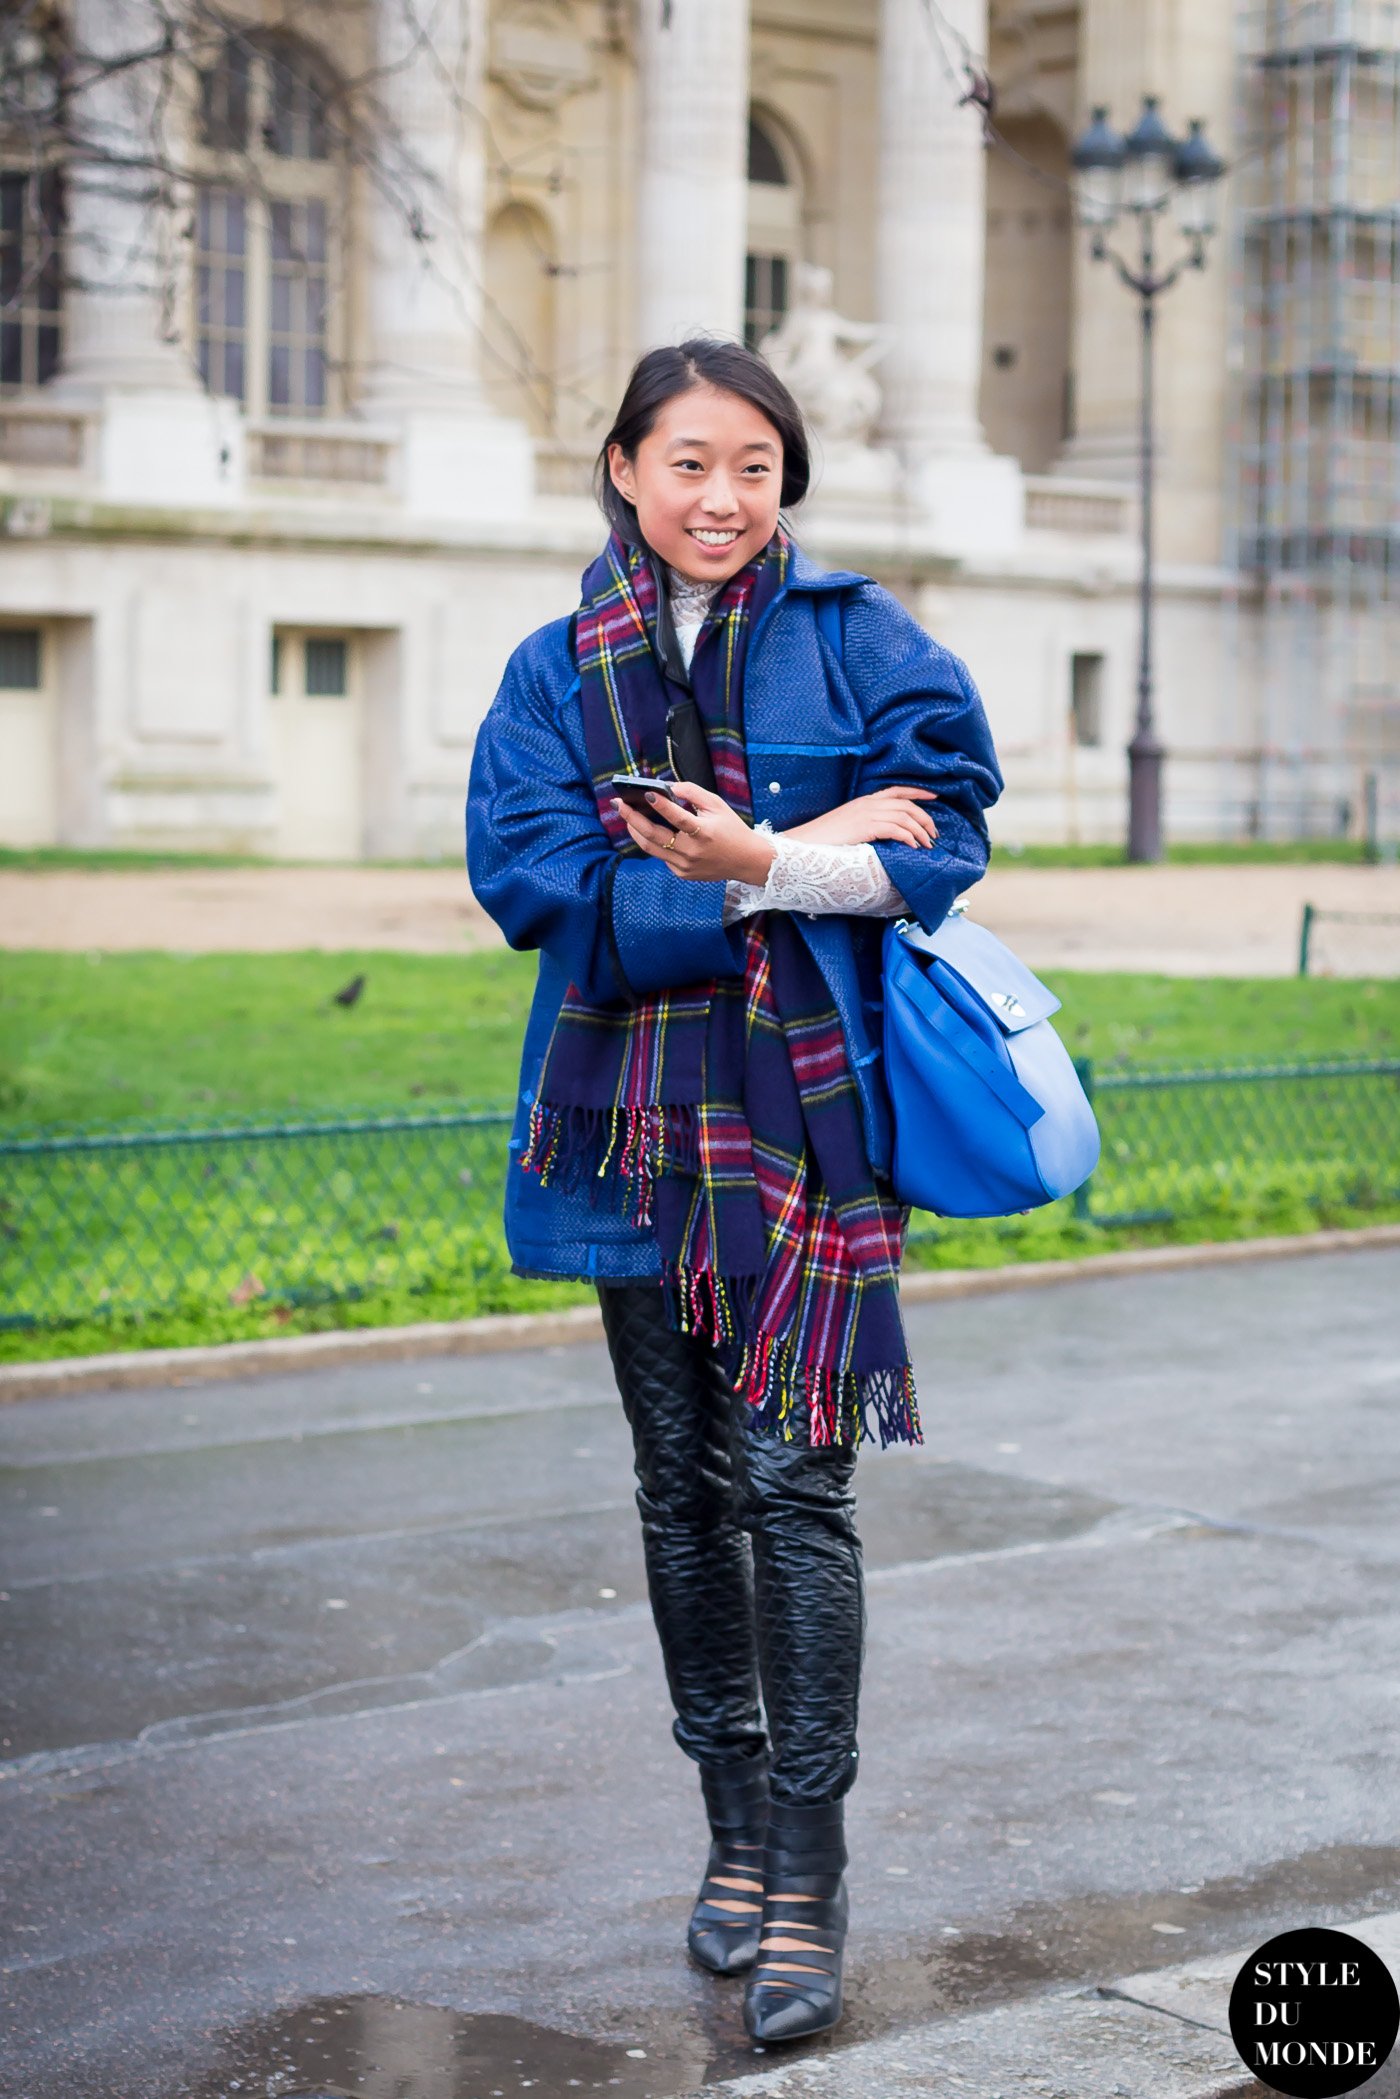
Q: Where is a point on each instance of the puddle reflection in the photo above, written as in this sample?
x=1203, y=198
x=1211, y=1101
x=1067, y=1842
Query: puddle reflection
x=384, y=2048
x=371, y=2047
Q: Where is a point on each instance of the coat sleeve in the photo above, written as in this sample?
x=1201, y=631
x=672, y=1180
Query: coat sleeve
x=618, y=922
x=926, y=727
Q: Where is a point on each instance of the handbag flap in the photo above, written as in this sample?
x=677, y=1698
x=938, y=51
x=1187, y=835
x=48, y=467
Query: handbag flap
x=1013, y=996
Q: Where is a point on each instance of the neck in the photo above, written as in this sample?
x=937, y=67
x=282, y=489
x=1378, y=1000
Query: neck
x=691, y=602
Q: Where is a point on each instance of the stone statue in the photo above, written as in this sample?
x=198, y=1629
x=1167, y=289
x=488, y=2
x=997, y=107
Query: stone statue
x=825, y=359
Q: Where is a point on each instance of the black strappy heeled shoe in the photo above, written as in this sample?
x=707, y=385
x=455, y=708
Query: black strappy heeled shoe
x=728, y=1913
x=796, y=1986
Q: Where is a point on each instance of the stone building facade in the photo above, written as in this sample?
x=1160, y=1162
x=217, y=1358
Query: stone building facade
x=295, y=450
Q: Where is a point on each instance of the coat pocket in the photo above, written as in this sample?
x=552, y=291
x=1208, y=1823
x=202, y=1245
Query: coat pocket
x=792, y=782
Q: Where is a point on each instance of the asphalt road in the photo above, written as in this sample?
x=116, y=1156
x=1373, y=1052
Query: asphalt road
x=338, y=1748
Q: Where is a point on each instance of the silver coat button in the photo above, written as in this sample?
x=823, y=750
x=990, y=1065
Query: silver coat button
x=775, y=786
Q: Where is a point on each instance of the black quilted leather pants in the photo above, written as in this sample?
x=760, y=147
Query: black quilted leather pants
x=754, y=1567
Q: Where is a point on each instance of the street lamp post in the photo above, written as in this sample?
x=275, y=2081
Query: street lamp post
x=1141, y=174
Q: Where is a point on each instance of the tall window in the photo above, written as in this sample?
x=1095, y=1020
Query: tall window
x=765, y=295
x=775, y=230
x=31, y=194
x=1086, y=700
x=267, y=232
x=30, y=277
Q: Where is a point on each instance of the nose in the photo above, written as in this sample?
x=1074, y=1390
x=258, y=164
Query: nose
x=718, y=497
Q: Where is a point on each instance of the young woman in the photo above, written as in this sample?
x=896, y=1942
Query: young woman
x=703, y=1128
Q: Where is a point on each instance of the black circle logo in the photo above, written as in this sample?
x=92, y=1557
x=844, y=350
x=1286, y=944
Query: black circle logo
x=1314, y=2013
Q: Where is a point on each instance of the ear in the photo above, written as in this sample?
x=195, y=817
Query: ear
x=623, y=478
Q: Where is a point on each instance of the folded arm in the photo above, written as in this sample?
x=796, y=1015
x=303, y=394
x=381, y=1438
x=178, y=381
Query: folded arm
x=819, y=878
x=925, y=726
x=541, y=864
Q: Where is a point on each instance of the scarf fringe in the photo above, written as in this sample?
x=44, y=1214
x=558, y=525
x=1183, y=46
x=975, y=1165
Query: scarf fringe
x=571, y=1148
x=833, y=1407
x=614, y=1155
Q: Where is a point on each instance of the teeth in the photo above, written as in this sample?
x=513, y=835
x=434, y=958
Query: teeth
x=715, y=539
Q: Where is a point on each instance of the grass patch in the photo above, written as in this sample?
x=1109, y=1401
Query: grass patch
x=107, y=860
x=1126, y=1020
x=158, y=1039
x=186, y=1244
x=1046, y=1235
x=1278, y=1205
x=1300, y=852
x=199, y=1323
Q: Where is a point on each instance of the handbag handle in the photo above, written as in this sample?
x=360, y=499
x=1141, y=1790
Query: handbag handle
x=966, y=1043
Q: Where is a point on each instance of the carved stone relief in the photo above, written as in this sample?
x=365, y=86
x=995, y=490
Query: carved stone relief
x=539, y=54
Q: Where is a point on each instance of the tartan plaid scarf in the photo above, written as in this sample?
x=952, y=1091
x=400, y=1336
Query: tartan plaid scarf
x=724, y=1113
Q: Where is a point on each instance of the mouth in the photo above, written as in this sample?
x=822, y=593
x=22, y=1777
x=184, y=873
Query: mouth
x=716, y=540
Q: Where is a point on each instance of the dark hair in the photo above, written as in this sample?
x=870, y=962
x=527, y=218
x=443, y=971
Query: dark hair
x=703, y=360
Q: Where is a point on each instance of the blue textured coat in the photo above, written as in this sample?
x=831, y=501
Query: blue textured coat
x=898, y=709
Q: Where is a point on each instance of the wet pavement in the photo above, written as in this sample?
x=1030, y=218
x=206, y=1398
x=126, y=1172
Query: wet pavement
x=337, y=1754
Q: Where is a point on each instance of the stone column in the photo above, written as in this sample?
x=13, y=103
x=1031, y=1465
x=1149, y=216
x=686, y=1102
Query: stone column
x=116, y=311
x=161, y=439
x=428, y=231
x=692, y=185
x=457, y=458
x=931, y=234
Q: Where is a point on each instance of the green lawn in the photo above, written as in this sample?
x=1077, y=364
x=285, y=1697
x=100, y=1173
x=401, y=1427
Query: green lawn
x=1298, y=852
x=157, y=1039
x=160, y=1039
x=103, y=860
x=187, y=1243
x=1208, y=853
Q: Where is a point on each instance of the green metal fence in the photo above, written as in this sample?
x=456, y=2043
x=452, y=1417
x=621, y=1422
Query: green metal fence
x=315, y=1211
x=1196, y=1141
x=104, y=1223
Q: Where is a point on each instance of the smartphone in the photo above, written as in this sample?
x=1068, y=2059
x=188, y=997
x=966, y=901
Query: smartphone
x=635, y=787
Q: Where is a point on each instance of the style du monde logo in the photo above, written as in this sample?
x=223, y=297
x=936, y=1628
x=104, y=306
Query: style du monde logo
x=1314, y=2013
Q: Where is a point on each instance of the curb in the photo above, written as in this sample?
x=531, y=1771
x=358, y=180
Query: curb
x=1163, y=2031
x=502, y=1331
x=921, y=1285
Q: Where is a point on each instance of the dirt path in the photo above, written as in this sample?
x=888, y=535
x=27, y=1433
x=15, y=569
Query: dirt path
x=1185, y=921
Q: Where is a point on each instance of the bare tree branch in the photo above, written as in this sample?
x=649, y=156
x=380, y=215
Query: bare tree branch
x=137, y=121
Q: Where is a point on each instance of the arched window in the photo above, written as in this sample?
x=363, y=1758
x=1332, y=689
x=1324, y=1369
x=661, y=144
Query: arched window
x=31, y=200
x=765, y=161
x=269, y=219
x=775, y=229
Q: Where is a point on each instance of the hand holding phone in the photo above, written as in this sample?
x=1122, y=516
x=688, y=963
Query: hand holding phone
x=715, y=845
x=633, y=788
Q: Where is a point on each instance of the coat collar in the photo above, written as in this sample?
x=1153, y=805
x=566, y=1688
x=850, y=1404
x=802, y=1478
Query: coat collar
x=805, y=574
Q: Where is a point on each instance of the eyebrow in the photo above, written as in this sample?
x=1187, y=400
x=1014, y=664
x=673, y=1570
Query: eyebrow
x=702, y=444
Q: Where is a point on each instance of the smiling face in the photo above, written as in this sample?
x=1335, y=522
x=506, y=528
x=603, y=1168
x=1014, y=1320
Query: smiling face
x=706, y=482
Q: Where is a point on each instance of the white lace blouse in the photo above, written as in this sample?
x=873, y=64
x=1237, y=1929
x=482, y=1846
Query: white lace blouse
x=806, y=875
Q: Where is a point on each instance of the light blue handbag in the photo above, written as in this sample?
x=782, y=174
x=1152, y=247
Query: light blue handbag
x=989, y=1114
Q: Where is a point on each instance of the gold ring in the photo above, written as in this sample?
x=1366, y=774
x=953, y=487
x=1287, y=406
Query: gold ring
x=670, y=841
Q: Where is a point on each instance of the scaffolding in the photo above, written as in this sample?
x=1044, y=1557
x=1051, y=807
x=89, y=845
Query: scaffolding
x=1314, y=529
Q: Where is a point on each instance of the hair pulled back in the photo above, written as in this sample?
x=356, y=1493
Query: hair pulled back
x=702, y=360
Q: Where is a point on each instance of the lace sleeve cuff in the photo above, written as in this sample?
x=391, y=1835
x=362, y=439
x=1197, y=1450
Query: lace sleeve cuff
x=819, y=879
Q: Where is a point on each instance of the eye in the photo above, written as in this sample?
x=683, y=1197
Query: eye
x=691, y=462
